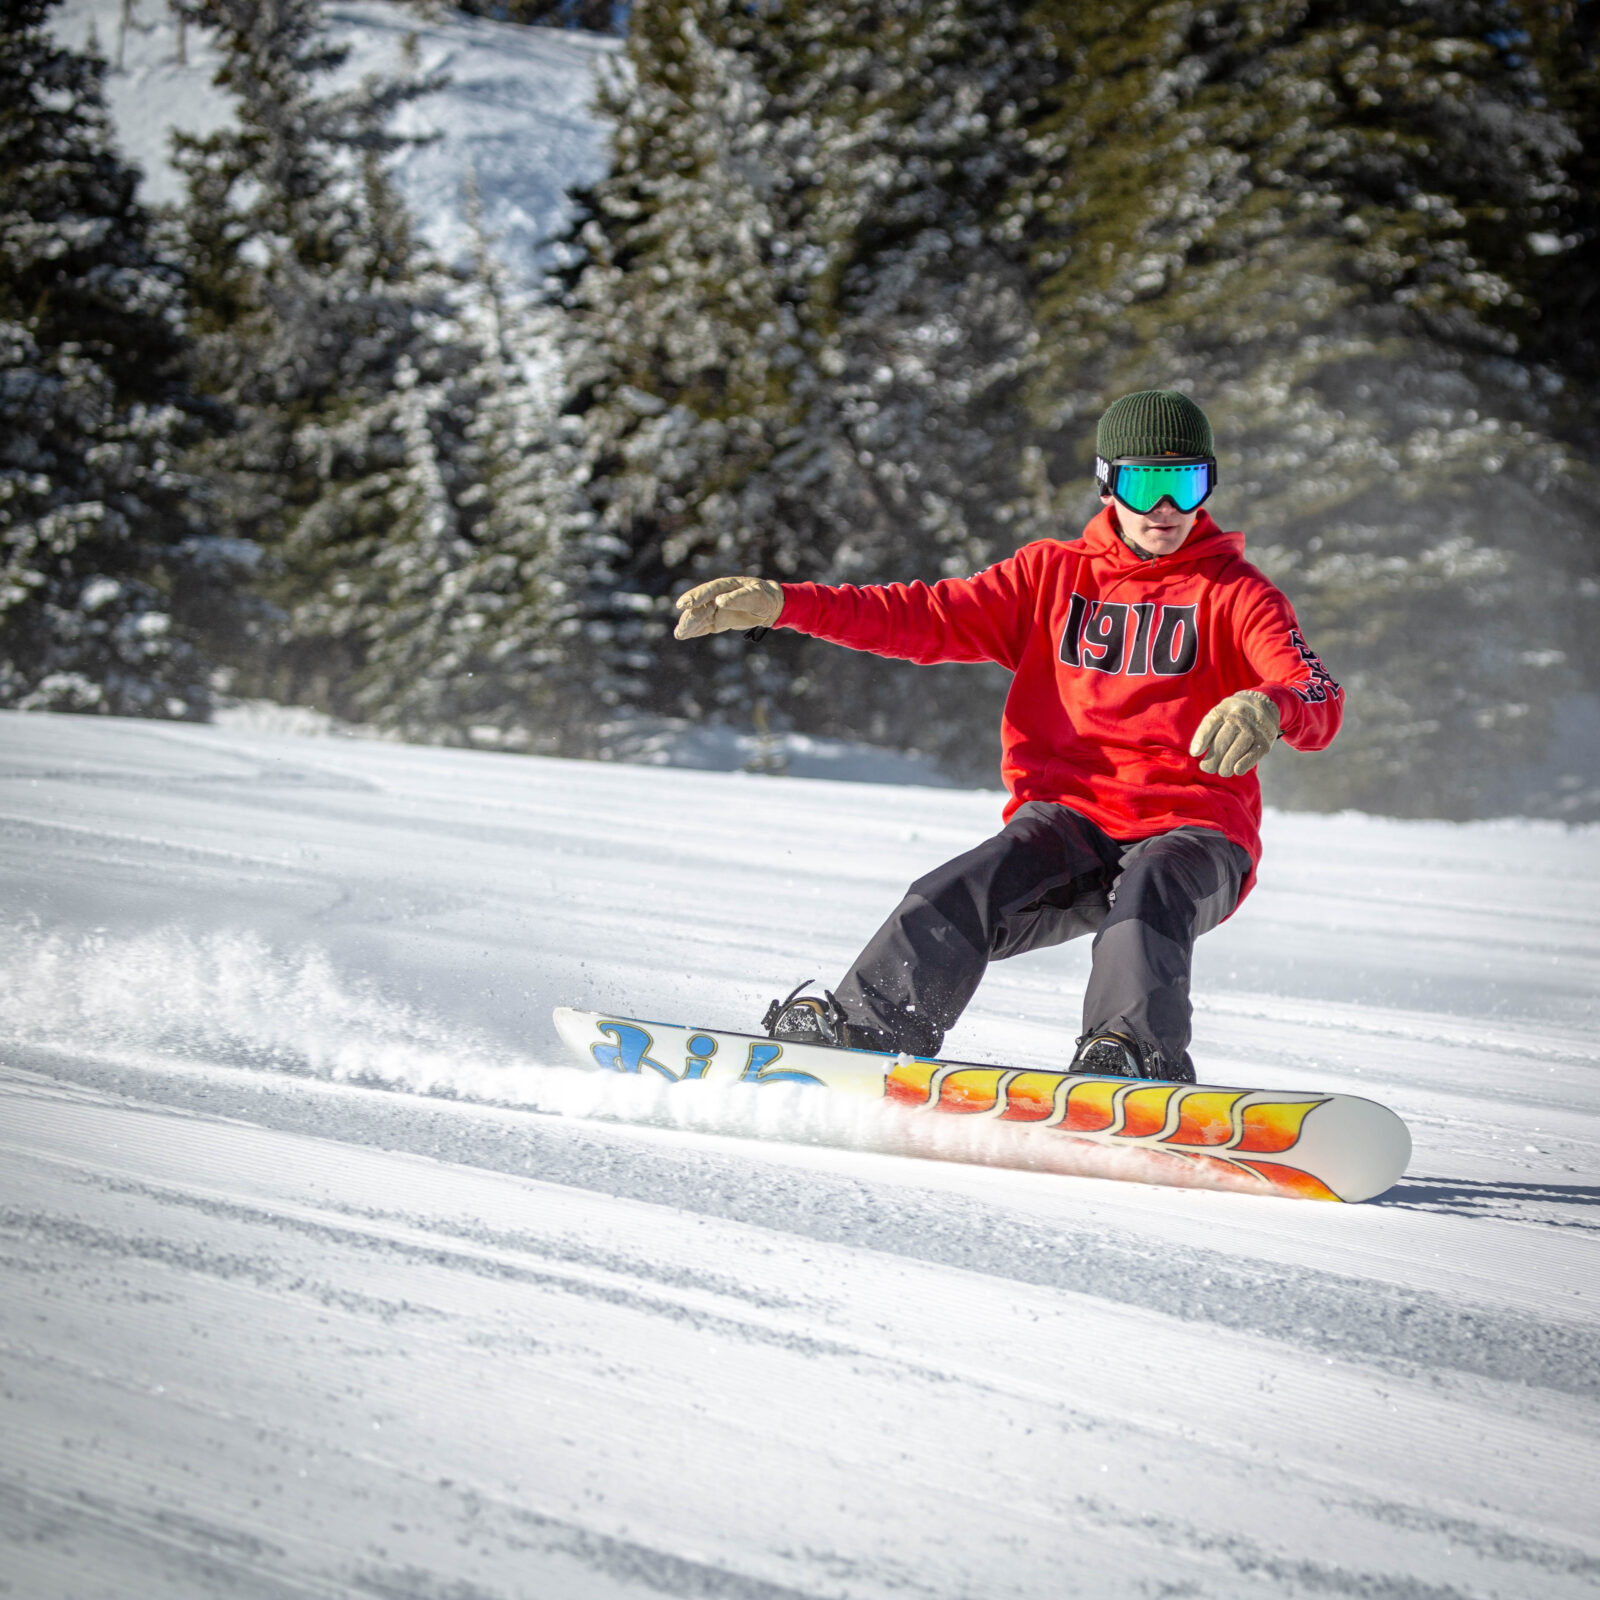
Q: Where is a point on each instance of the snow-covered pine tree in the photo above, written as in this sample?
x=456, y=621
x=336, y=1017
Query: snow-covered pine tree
x=470, y=646
x=1560, y=299
x=98, y=530
x=598, y=16
x=1315, y=216
x=1560, y=40
x=523, y=578
x=338, y=350
x=803, y=336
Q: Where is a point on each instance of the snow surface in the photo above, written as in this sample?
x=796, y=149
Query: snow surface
x=517, y=111
x=646, y=740
x=322, y=1275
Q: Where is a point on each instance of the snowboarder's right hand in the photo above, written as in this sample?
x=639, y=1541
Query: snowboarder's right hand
x=725, y=604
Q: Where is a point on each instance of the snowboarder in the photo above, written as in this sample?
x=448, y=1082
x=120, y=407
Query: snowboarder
x=1153, y=668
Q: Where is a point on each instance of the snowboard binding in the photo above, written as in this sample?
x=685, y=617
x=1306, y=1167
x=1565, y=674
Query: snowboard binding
x=807, y=1019
x=1114, y=1055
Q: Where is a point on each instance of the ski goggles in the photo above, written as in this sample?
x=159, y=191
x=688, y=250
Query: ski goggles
x=1141, y=483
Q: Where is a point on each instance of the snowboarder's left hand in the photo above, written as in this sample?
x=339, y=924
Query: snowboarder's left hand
x=1237, y=732
x=727, y=603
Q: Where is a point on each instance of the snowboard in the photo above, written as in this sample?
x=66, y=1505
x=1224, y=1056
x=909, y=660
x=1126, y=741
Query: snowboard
x=1269, y=1141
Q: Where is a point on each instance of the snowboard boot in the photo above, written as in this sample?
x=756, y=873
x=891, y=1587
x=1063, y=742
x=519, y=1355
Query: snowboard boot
x=1115, y=1055
x=807, y=1019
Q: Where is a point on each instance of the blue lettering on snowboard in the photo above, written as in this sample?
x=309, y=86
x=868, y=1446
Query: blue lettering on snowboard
x=629, y=1053
x=758, y=1067
x=701, y=1048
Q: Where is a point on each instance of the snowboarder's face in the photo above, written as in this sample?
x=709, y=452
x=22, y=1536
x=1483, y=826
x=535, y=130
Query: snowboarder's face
x=1157, y=532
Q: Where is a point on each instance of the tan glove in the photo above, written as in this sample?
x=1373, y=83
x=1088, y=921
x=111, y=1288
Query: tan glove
x=1237, y=731
x=728, y=603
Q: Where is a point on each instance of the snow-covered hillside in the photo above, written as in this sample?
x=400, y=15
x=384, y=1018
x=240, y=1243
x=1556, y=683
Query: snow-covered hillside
x=322, y=1276
x=517, y=112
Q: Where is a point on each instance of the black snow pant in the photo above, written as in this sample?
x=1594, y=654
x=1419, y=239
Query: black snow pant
x=1048, y=876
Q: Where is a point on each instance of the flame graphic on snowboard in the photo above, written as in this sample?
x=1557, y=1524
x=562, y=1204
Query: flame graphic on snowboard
x=1180, y=1118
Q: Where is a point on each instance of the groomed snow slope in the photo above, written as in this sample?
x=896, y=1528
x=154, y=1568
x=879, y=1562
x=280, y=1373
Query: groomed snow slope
x=321, y=1276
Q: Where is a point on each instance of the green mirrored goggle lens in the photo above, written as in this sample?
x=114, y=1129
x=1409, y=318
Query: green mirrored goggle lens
x=1142, y=487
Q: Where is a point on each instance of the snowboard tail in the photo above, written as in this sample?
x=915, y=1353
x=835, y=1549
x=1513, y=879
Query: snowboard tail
x=1306, y=1146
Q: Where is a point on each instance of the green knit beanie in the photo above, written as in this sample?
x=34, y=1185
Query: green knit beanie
x=1153, y=422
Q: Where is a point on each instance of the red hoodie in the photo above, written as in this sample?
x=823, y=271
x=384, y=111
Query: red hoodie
x=1116, y=660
